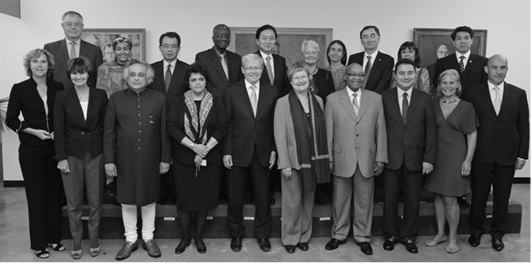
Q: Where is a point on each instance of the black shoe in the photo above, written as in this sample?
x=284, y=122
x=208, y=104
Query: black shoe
x=290, y=248
x=303, y=246
x=272, y=200
x=497, y=244
x=126, y=250
x=411, y=247
x=462, y=200
x=200, y=245
x=474, y=240
x=182, y=245
x=264, y=243
x=334, y=244
x=236, y=244
x=151, y=247
x=389, y=244
x=365, y=248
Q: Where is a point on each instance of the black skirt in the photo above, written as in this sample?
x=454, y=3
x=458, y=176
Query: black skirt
x=197, y=193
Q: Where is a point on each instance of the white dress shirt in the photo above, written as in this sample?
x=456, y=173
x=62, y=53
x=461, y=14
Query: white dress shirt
x=465, y=60
x=250, y=91
x=492, y=92
x=165, y=66
x=264, y=56
x=77, y=46
x=373, y=56
x=351, y=96
x=401, y=93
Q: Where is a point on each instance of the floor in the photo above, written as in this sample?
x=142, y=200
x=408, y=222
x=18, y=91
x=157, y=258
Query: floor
x=14, y=243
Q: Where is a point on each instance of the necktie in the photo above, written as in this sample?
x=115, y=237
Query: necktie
x=367, y=70
x=497, y=100
x=167, y=77
x=405, y=106
x=355, y=102
x=253, y=99
x=73, y=53
x=269, y=69
x=462, y=64
x=224, y=65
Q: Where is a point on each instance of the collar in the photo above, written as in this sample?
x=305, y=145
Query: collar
x=491, y=86
x=219, y=53
x=264, y=55
x=401, y=92
x=165, y=64
x=458, y=55
x=248, y=84
x=78, y=42
x=350, y=92
x=373, y=55
x=135, y=94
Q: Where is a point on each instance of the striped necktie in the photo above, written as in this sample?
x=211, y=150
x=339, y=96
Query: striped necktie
x=462, y=64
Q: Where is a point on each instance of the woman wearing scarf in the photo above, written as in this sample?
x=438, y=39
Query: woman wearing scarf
x=110, y=73
x=300, y=136
x=196, y=123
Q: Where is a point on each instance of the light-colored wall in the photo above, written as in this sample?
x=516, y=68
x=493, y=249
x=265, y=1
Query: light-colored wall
x=507, y=23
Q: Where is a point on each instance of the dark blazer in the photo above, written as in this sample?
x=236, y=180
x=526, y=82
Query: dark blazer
x=473, y=75
x=218, y=80
x=381, y=71
x=245, y=132
x=25, y=98
x=324, y=82
x=178, y=85
x=415, y=140
x=60, y=52
x=505, y=137
x=73, y=135
x=281, y=74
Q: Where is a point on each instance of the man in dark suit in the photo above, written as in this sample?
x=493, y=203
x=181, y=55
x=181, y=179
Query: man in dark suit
x=72, y=47
x=266, y=37
x=377, y=66
x=470, y=66
x=249, y=146
x=411, y=142
x=224, y=67
x=502, y=147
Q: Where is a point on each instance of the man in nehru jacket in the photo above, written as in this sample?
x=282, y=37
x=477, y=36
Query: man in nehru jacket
x=357, y=139
x=411, y=142
x=377, y=66
x=249, y=149
x=72, y=47
x=502, y=147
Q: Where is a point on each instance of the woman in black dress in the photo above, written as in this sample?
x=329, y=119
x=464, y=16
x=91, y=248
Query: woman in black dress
x=196, y=123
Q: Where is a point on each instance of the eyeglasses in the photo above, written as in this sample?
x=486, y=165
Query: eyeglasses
x=166, y=46
x=355, y=75
x=68, y=24
x=253, y=68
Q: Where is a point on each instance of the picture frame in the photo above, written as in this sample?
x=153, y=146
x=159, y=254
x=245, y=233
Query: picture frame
x=429, y=39
x=243, y=42
x=103, y=37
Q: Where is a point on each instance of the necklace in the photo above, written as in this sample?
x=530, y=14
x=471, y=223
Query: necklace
x=449, y=102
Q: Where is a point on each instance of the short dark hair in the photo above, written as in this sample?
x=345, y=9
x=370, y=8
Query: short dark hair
x=265, y=27
x=344, y=57
x=406, y=61
x=170, y=34
x=71, y=13
x=118, y=40
x=220, y=26
x=412, y=46
x=462, y=29
x=196, y=68
x=78, y=65
x=369, y=27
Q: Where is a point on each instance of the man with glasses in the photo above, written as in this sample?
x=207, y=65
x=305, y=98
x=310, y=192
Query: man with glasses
x=72, y=47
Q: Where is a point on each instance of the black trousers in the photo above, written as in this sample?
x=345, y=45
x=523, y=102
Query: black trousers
x=43, y=184
x=501, y=179
x=236, y=182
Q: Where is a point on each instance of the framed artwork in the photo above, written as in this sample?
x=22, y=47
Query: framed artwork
x=103, y=37
x=243, y=42
x=429, y=39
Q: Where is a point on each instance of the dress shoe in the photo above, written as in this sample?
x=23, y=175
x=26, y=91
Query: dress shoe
x=365, y=248
x=411, y=247
x=151, y=247
x=264, y=243
x=334, y=244
x=474, y=240
x=126, y=250
x=200, y=245
x=182, y=245
x=236, y=244
x=462, y=200
x=272, y=200
x=497, y=244
x=389, y=244
x=290, y=248
x=303, y=246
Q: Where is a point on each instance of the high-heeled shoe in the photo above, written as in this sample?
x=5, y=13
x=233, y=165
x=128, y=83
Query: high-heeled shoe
x=182, y=245
x=57, y=246
x=76, y=254
x=200, y=245
x=94, y=251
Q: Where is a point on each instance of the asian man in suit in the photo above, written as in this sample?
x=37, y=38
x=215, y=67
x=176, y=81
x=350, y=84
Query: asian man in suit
x=72, y=47
x=357, y=141
x=377, y=66
x=249, y=146
x=502, y=147
x=411, y=143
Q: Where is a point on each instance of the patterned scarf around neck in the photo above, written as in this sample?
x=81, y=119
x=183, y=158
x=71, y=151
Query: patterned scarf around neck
x=194, y=126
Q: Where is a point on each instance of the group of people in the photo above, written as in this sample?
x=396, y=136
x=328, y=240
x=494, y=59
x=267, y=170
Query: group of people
x=174, y=125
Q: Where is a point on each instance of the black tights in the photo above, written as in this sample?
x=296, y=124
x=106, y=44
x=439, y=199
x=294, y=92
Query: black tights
x=184, y=217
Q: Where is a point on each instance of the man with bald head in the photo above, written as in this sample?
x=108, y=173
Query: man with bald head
x=357, y=141
x=502, y=147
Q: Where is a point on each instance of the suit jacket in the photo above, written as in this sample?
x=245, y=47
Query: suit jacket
x=414, y=141
x=73, y=134
x=355, y=140
x=218, y=80
x=473, y=75
x=245, y=131
x=381, y=71
x=61, y=51
x=504, y=137
x=281, y=74
x=178, y=84
x=285, y=139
